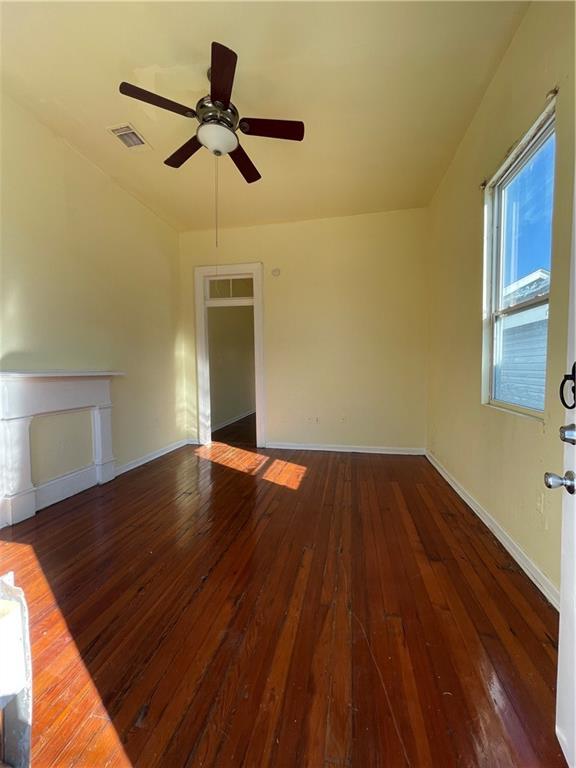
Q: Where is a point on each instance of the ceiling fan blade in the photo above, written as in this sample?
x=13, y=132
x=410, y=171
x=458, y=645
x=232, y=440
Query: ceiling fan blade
x=158, y=101
x=184, y=152
x=245, y=165
x=222, y=71
x=274, y=129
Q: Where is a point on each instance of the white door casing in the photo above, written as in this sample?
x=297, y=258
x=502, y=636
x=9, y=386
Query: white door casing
x=201, y=274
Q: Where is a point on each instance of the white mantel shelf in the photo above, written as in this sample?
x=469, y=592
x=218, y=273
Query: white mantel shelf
x=59, y=374
x=25, y=394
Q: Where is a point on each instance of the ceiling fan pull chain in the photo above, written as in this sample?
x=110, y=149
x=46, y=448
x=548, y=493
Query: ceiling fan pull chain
x=216, y=199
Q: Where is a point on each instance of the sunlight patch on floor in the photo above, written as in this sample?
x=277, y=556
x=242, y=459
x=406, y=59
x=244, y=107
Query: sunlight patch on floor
x=277, y=471
x=233, y=458
x=55, y=656
x=285, y=473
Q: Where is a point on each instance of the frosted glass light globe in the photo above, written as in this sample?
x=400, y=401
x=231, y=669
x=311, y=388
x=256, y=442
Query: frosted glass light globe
x=217, y=138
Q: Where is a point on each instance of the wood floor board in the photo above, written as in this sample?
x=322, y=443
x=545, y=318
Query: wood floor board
x=232, y=606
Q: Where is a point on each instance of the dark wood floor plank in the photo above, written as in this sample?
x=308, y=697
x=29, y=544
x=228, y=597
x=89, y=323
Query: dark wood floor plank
x=240, y=432
x=261, y=741
x=500, y=706
x=421, y=620
x=338, y=744
x=495, y=559
x=293, y=723
x=181, y=679
x=516, y=663
x=231, y=606
x=387, y=744
x=463, y=515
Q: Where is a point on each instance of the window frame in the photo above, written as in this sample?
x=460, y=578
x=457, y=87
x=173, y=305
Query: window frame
x=516, y=160
x=228, y=301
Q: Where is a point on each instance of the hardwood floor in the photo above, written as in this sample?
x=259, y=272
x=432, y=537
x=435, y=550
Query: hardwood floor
x=241, y=432
x=232, y=607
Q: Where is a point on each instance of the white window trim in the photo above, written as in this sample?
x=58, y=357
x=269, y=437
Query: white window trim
x=515, y=160
x=227, y=301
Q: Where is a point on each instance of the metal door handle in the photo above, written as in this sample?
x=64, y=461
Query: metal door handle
x=568, y=433
x=556, y=481
x=570, y=380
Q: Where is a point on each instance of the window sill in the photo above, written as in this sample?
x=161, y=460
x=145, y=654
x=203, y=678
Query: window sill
x=515, y=410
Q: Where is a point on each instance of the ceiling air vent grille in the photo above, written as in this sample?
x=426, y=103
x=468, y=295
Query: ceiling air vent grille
x=129, y=136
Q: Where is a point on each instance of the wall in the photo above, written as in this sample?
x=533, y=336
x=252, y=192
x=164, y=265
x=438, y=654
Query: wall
x=344, y=325
x=499, y=457
x=88, y=281
x=231, y=347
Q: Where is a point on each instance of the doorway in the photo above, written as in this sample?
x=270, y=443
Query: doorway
x=232, y=372
x=229, y=354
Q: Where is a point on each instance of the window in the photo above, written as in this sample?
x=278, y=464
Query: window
x=226, y=288
x=519, y=210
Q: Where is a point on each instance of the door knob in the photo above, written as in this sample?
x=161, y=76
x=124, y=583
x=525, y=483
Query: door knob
x=556, y=481
x=568, y=433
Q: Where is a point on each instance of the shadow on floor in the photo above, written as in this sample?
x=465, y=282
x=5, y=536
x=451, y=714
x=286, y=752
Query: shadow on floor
x=226, y=606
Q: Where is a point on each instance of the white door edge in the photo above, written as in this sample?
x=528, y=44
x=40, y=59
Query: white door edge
x=566, y=689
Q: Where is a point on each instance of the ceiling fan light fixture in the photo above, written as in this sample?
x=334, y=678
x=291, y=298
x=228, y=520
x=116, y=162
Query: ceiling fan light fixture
x=217, y=138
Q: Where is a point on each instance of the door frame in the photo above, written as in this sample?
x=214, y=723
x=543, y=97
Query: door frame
x=566, y=688
x=253, y=270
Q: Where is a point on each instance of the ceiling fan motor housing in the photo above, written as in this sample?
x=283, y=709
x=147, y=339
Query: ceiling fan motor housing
x=209, y=111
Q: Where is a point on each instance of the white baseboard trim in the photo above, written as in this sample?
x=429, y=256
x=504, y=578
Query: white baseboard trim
x=227, y=423
x=567, y=747
x=122, y=468
x=18, y=507
x=348, y=448
x=63, y=487
x=60, y=488
x=548, y=589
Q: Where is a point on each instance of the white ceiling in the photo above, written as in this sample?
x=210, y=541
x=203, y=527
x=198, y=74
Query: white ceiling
x=386, y=91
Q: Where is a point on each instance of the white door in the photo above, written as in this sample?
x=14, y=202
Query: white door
x=566, y=695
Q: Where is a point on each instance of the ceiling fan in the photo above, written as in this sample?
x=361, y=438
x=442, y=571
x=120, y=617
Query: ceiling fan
x=218, y=117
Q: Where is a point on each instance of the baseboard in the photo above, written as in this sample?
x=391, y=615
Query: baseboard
x=122, y=468
x=348, y=448
x=548, y=589
x=567, y=744
x=63, y=487
x=14, y=509
x=234, y=419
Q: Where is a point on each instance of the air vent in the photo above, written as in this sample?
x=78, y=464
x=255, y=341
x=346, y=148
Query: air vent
x=129, y=136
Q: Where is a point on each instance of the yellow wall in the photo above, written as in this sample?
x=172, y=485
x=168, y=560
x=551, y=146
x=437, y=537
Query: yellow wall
x=231, y=347
x=344, y=325
x=88, y=281
x=497, y=456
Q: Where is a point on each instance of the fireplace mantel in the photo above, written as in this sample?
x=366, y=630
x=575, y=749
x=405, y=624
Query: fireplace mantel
x=25, y=394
